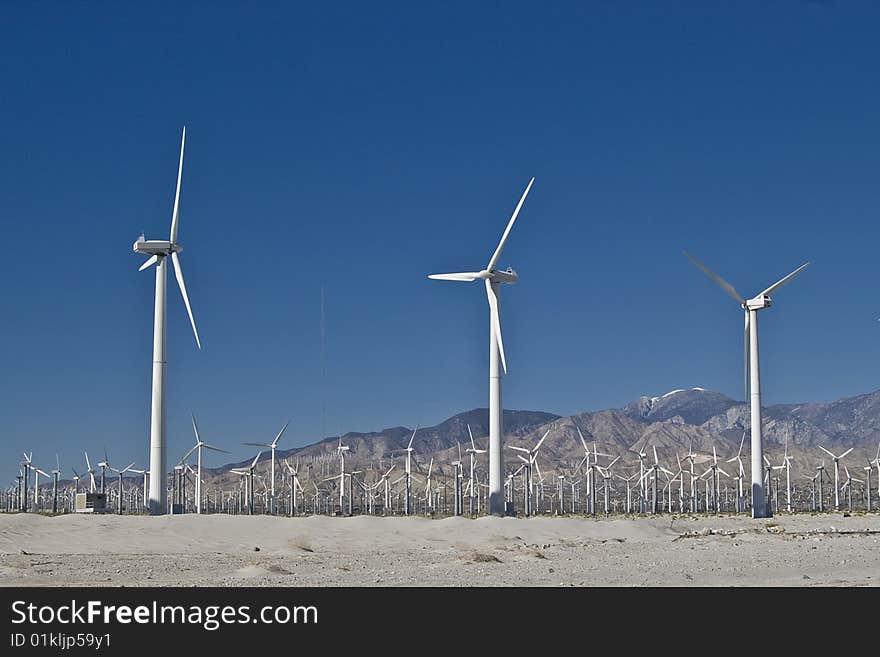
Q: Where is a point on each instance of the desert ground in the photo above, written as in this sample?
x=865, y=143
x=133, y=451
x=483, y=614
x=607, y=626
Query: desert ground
x=220, y=550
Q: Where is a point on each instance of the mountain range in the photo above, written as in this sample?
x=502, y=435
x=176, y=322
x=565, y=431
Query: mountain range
x=672, y=423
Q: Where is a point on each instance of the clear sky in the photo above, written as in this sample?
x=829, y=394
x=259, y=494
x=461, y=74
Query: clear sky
x=361, y=146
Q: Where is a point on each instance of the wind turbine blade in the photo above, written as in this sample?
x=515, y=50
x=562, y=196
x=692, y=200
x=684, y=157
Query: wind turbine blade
x=256, y=444
x=497, y=253
x=216, y=449
x=474, y=447
x=176, y=213
x=195, y=428
x=458, y=276
x=518, y=449
x=583, y=442
x=724, y=285
x=149, y=262
x=538, y=468
x=179, y=274
x=778, y=284
x=187, y=455
x=826, y=451
x=496, y=321
x=278, y=437
x=845, y=453
x=413, y=437
x=541, y=442
x=654, y=447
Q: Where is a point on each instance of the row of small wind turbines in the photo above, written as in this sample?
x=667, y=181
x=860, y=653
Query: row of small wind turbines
x=644, y=483
x=160, y=251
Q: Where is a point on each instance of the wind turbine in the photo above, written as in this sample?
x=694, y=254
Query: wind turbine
x=55, y=473
x=530, y=462
x=37, y=473
x=606, y=477
x=493, y=279
x=294, y=485
x=159, y=250
x=458, y=474
x=473, y=451
x=714, y=469
x=198, y=449
x=248, y=475
x=836, y=474
x=26, y=463
x=848, y=486
x=752, y=377
x=120, y=473
x=429, y=501
x=868, y=468
x=786, y=465
x=91, y=472
x=104, y=465
x=272, y=447
x=145, y=474
x=740, y=501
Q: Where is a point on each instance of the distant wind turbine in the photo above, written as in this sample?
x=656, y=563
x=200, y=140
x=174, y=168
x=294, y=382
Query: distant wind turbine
x=752, y=373
x=198, y=449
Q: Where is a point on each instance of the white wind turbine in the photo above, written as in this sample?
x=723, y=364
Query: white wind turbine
x=493, y=280
x=407, y=474
x=868, y=468
x=120, y=473
x=386, y=510
x=429, y=491
x=473, y=451
x=786, y=465
x=198, y=449
x=159, y=250
x=848, y=486
x=272, y=447
x=740, y=500
x=752, y=373
x=247, y=474
x=145, y=474
x=836, y=474
x=530, y=462
x=294, y=485
x=91, y=472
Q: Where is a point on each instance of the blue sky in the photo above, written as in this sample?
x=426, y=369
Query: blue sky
x=360, y=148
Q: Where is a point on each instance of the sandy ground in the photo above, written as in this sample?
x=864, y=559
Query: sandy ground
x=220, y=550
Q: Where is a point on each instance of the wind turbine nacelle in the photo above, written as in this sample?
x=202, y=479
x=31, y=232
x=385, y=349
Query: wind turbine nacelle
x=155, y=247
x=505, y=276
x=759, y=303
